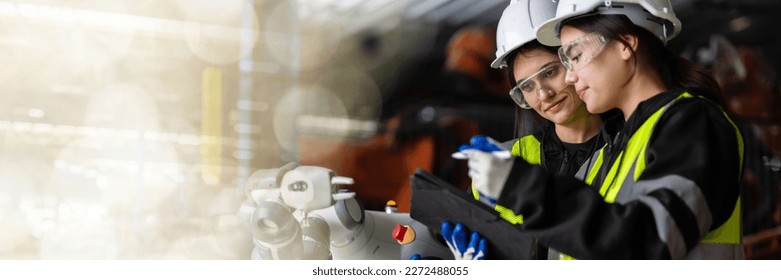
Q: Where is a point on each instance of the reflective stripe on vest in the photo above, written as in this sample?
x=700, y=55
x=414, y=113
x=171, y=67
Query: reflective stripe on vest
x=723, y=242
x=530, y=149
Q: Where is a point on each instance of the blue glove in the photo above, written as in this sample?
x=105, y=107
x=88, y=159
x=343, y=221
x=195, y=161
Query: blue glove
x=482, y=143
x=455, y=237
x=489, y=166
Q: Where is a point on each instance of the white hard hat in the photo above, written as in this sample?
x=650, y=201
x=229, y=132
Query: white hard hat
x=662, y=21
x=517, y=26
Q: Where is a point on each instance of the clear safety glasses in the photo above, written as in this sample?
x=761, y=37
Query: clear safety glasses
x=526, y=93
x=579, y=52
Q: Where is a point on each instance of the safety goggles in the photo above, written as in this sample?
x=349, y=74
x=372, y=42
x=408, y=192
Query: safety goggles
x=526, y=93
x=579, y=52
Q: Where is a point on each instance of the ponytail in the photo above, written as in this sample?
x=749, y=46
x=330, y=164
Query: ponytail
x=679, y=72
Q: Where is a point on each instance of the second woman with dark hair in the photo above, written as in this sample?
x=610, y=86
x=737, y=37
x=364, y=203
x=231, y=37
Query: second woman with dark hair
x=553, y=128
x=666, y=185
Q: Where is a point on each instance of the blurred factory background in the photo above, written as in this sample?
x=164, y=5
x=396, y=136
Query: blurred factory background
x=128, y=128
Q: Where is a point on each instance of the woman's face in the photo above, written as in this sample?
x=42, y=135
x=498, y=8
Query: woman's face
x=597, y=70
x=540, y=78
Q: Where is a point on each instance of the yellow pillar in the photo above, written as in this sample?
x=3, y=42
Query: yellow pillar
x=211, y=125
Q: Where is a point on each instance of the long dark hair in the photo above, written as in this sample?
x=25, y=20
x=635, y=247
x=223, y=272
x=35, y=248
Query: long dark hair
x=675, y=71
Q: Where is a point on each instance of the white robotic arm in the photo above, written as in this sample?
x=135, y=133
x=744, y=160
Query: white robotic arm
x=300, y=212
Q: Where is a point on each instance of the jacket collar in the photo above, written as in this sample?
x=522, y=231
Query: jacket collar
x=612, y=127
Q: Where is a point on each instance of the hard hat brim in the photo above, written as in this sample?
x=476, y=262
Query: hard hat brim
x=497, y=63
x=548, y=32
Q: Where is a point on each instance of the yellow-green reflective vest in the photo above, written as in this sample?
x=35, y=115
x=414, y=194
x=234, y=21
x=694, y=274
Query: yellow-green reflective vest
x=723, y=242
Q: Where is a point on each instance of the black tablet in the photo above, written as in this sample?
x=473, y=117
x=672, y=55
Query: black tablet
x=434, y=201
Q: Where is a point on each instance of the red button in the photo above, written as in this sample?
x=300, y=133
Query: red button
x=398, y=232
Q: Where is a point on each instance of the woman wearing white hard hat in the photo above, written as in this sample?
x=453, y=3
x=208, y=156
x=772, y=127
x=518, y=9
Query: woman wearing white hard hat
x=569, y=134
x=667, y=183
x=538, y=86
